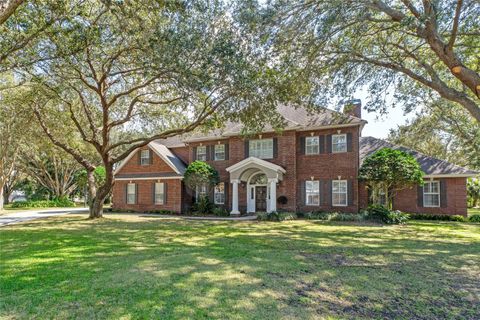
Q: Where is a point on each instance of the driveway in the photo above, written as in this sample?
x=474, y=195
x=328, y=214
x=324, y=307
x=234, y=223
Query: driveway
x=22, y=216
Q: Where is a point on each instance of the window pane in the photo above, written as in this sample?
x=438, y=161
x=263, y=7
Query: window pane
x=312, y=190
x=145, y=157
x=131, y=196
x=262, y=149
x=202, y=153
x=220, y=152
x=339, y=193
x=219, y=193
x=159, y=192
x=339, y=143
x=311, y=145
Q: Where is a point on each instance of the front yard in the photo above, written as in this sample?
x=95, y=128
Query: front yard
x=129, y=267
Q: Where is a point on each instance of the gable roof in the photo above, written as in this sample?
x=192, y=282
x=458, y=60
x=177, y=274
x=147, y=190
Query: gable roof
x=429, y=165
x=296, y=118
x=164, y=153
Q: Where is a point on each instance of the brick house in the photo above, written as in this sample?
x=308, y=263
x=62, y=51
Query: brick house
x=311, y=165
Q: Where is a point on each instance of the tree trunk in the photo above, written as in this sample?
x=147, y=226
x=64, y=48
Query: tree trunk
x=1, y=197
x=6, y=195
x=96, y=208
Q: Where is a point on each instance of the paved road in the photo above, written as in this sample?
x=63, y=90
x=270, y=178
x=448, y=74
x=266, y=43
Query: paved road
x=21, y=216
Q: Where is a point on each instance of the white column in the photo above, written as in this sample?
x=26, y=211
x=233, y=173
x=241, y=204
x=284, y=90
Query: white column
x=273, y=195
x=235, y=197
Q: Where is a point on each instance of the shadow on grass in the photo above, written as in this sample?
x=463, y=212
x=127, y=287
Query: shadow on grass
x=110, y=268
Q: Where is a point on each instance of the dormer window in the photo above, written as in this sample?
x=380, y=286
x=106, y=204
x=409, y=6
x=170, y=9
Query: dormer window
x=339, y=143
x=145, y=157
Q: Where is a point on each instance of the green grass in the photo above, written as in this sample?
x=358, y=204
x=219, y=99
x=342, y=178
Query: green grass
x=127, y=267
x=472, y=211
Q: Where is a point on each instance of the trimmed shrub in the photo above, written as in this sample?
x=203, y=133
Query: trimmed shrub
x=276, y=216
x=380, y=213
x=438, y=217
x=220, y=212
x=474, y=218
x=334, y=216
x=58, y=203
x=202, y=206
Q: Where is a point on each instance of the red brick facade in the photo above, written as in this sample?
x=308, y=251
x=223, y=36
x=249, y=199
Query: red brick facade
x=299, y=167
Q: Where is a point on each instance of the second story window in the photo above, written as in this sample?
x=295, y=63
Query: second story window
x=219, y=152
x=202, y=153
x=312, y=145
x=339, y=143
x=145, y=157
x=262, y=148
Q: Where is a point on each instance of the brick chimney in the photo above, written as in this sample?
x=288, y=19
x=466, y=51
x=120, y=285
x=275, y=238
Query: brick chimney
x=353, y=108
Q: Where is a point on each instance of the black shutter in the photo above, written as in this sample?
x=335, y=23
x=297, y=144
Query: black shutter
x=302, y=145
x=303, y=194
x=150, y=154
x=321, y=142
x=153, y=193
x=164, y=193
x=349, y=142
x=350, y=192
x=136, y=193
x=275, y=147
x=328, y=192
x=207, y=153
x=211, y=194
x=194, y=153
x=126, y=193
x=227, y=151
x=322, y=193
x=247, y=150
x=443, y=193
x=420, y=196
x=329, y=143
x=139, y=158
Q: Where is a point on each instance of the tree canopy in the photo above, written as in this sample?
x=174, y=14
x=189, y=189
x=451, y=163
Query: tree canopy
x=388, y=171
x=404, y=50
x=198, y=174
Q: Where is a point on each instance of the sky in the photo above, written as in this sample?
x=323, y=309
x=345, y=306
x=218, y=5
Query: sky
x=379, y=126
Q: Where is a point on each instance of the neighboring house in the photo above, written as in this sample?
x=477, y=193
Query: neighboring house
x=312, y=165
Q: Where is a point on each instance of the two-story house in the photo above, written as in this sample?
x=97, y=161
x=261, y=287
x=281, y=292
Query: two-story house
x=311, y=165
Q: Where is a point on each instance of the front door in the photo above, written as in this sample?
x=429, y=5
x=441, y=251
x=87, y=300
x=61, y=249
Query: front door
x=260, y=198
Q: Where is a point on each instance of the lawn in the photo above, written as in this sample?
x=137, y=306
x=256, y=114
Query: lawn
x=128, y=267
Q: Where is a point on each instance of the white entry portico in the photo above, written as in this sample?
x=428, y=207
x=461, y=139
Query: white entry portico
x=260, y=178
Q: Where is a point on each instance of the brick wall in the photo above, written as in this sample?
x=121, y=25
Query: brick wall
x=407, y=199
x=329, y=166
x=145, y=193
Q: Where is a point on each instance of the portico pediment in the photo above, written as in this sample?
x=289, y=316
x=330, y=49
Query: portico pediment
x=242, y=170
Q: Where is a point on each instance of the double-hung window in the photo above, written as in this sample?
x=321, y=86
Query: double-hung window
x=219, y=193
x=339, y=193
x=202, y=153
x=431, y=194
x=312, y=192
x=131, y=193
x=219, y=152
x=144, y=157
x=261, y=148
x=160, y=193
x=201, y=191
x=312, y=145
x=339, y=143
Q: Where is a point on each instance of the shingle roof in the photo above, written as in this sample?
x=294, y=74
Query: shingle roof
x=295, y=118
x=429, y=165
x=167, y=155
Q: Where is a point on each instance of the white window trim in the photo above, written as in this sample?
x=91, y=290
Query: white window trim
x=203, y=154
x=261, y=143
x=160, y=194
x=312, y=145
x=134, y=193
x=346, y=143
x=215, y=152
x=346, y=193
x=142, y=158
x=432, y=193
x=306, y=193
x=215, y=194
